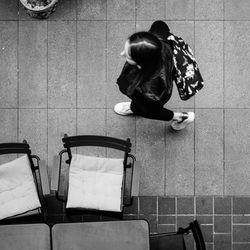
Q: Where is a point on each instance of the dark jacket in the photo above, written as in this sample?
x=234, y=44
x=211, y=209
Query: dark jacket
x=157, y=87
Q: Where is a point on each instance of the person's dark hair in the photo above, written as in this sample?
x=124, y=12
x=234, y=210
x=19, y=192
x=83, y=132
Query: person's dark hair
x=145, y=50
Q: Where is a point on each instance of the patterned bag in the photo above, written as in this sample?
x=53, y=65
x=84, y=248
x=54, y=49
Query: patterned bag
x=187, y=76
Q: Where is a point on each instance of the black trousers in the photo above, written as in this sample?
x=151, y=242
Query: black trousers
x=149, y=109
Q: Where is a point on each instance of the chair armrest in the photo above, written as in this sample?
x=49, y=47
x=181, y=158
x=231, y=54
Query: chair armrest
x=44, y=178
x=55, y=173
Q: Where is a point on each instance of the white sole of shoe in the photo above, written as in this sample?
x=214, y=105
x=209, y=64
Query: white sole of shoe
x=120, y=110
x=179, y=126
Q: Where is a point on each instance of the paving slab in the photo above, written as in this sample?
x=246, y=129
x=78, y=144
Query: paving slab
x=65, y=10
x=152, y=158
x=91, y=10
x=91, y=64
x=179, y=161
x=9, y=10
x=61, y=64
x=209, y=55
x=60, y=122
x=237, y=143
x=150, y=10
x=209, y=169
x=8, y=121
x=210, y=10
x=180, y=9
x=121, y=10
x=237, y=53
x=33, y=128
x=237, y=10
x=8, y=64
x=121, y=127
x=91, y=122
x=32, y=64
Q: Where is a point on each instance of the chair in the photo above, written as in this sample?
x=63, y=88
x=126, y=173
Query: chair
x=175, y=240
x=23, y=184
x=96, y=202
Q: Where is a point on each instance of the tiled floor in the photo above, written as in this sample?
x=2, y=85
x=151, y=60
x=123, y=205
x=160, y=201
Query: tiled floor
x=59, y=76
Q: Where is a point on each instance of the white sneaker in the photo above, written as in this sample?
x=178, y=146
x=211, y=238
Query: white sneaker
x=123, y=108
x=187, y=118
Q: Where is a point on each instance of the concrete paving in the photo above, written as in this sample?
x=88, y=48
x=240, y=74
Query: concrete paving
x=59, y=76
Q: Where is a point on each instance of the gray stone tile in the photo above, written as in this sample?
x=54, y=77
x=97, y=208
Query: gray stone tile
x=91, y=122
x=121, y=127
x=148, y=205
x=62, y=64
x=117, y=34
x=185, y=205
x=241, y=205
x=32, y=64
x=241, y=233
x=150, y=151
x=33, y=128
x=91, y=64
x=209, y=142
x=237, y=10
x=237, y=145
x=180, y=161
x=65, y=10
x=8, y=121
x=8, y=64
x=222, y=241
x=60, y=122
x=121, y=10
x=211, y=10
x=237, y=64
x=9, y=10
x=180, y=9
x=209, y=55
x=91, y=10
x=222, y=205
x=166, y=206
x=204, y=205
x=241, y=246
x=150, y=10
x=222, y=224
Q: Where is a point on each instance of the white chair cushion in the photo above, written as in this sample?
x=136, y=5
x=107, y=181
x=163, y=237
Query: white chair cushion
x=95, y=183
x=18, y=192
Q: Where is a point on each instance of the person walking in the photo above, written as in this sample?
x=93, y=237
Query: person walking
x=147, y=77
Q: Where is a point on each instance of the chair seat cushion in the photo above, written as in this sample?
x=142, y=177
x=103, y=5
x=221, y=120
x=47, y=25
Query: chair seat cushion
x=95, y=183
x=18, y=192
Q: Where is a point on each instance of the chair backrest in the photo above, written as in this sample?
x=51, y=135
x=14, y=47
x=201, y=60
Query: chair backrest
x=175, y=240
x=98, y=141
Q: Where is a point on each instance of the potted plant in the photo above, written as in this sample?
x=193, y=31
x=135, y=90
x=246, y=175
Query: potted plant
x=39, y=8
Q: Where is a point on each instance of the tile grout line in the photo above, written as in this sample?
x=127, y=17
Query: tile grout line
x=194, y=171
x=18, y=83
x=47, y=79
x=76, y=65
x=223, y=84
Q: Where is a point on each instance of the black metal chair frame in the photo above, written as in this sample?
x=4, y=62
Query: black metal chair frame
x=24, y=148
x=193, y=227
x=97, y=141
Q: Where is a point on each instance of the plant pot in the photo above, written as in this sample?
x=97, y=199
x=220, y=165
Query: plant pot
x=36, y=11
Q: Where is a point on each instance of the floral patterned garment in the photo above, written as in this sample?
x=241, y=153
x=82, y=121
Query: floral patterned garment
x=187, y=75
